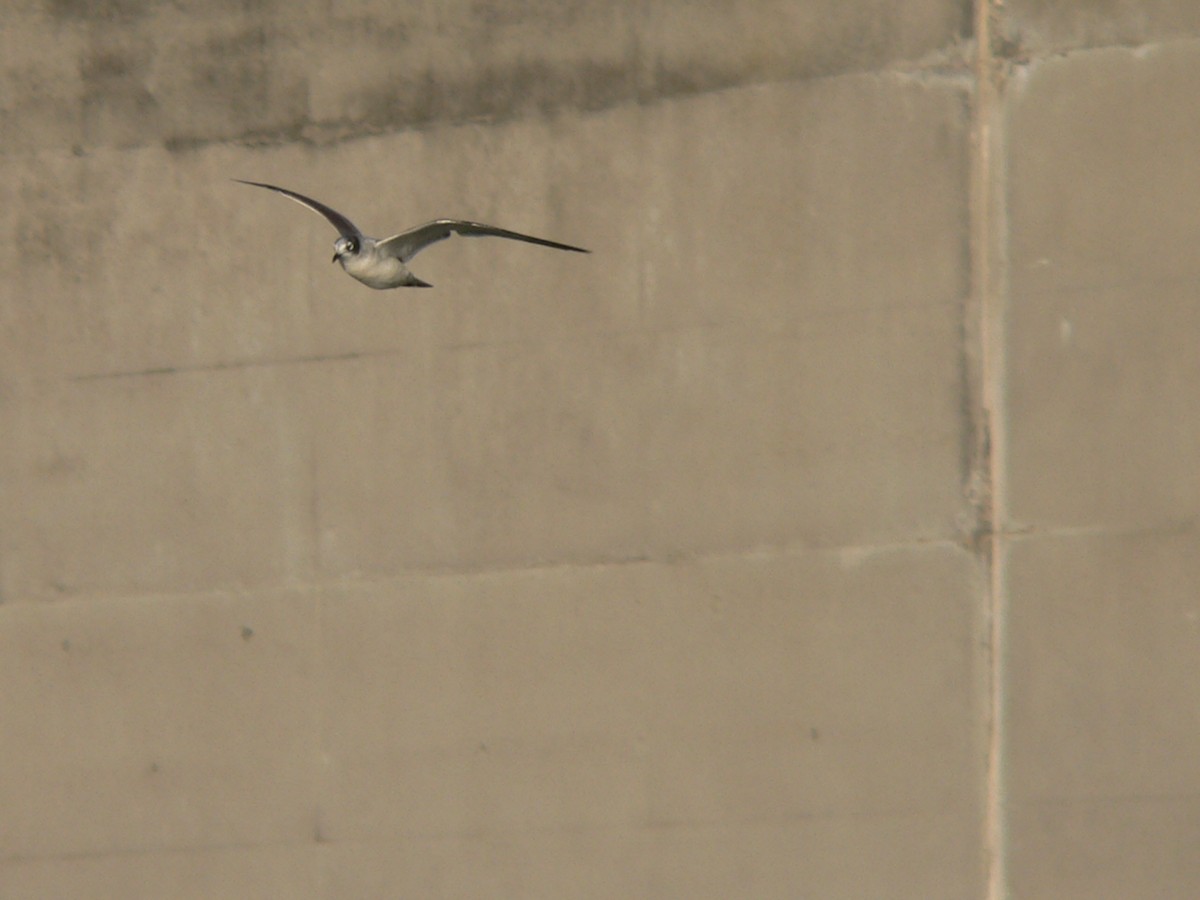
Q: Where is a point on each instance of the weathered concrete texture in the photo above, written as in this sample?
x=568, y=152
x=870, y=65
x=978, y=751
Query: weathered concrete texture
x=759, y=722
x=1040, y=26
x=1105, y=418
x=132, y=72
x=1102, y=735
x=134, y=726
x=541, y=406
x=585, y=446
x=655, y=572
x=653, y=712
x=1104, y=758
x=156, y=482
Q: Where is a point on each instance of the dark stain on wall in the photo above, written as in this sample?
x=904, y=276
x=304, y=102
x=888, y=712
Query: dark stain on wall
x=100, y=10
x=243, y=75
x=495, y=93
x=118, y=107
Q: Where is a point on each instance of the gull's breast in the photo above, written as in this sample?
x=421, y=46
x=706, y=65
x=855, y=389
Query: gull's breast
x=380, y=272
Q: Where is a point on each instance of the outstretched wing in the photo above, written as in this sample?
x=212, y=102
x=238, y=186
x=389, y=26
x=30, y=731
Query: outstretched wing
x=345, y=227
x=406, y=245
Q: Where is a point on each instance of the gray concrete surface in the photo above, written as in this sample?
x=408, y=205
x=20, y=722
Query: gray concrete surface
x=1104, y=425
x=830, y=531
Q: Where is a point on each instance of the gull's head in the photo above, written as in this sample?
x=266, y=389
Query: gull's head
x=344, y=246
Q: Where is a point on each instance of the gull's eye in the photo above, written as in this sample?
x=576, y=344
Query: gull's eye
x=352, y=246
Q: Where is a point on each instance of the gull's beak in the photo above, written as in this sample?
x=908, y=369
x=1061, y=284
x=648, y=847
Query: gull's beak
x=335, y=256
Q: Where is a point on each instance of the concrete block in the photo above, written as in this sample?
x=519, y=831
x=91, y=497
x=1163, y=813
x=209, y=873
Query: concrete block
x=691, y=405
x=155, y=482
x=738, y=696
x=1100, y=368
x=134, y=726
x=1101, y=658
x=1103, y=732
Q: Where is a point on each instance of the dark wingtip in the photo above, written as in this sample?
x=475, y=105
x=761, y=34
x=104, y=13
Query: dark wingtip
x=560, y=246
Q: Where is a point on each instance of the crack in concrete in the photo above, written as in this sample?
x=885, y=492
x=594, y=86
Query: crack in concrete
x=233, y=365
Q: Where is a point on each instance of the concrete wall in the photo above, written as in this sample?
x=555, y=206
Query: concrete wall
x=830, y=531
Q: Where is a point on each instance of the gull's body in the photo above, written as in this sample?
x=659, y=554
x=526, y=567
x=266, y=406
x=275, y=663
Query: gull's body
x=382, y=264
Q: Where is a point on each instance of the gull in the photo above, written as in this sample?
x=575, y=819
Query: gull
x=383, y=264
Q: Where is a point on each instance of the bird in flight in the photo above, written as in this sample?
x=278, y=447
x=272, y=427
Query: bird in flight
x=384, y=264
